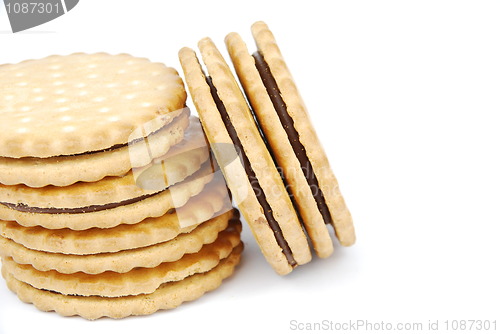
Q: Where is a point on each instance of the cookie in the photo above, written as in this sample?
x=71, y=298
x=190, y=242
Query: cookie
x=122, y=261
x=254, y=180
x=66, y=170
x=213, y=199
x=277, y=143
x=141, y=193
x=135, y=282
x=65, y=119
x=113, y=214
x=110, y=201
x=167, y=296
x=181, y=161
x=285, y=123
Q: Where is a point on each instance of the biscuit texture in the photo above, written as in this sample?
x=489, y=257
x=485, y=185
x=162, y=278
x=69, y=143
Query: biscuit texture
x=123, y=261
x=66, y=105
x=255, y=149
x=233, y=169
x=342, y=220
x=135, y=282
x=213, y=199
x=279, y=142
x=167, y=296
x=62, y=171
x=154, y=206
x=110, y=202
x=181, y=161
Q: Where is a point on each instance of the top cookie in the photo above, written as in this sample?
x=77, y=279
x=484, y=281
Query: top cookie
x=66, y=105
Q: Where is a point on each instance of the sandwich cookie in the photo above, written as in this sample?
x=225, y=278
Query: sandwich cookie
x=121, y=212
x=167, y=296
x=137, y=291
x=138, y=280
x=168, y=182
x=254, y=180
x=122, y=261
x=211, y=202
x=286, y=127
x=280, y=151
x=65, y=119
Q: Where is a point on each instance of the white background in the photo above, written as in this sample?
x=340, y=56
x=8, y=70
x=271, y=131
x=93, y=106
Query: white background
x=405, y=96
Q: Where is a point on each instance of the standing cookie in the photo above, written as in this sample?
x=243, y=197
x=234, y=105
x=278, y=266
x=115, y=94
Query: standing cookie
x=254, y=182
x=285, y=123
x=274, y=135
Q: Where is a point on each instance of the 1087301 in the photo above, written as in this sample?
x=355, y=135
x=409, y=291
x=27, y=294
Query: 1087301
x=33, y=7
x=470, y=325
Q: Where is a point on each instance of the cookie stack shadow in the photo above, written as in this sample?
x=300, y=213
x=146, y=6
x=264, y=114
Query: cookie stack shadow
x=157, y=231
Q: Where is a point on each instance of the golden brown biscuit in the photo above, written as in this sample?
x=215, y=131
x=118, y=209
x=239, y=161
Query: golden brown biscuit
x=114, y=214
x=294, y=120
x=181, y=161
x=135, y=282
x=167, y=296
x=254, y=182
x=71, y=118
x=213, y=200
x=274, y=135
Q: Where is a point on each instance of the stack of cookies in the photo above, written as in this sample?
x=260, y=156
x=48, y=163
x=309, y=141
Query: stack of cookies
x=110, y=203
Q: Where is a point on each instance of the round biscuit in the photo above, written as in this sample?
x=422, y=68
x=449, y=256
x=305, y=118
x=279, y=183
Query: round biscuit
x=256, y=150
x=213, y=200
x=234, y=172
x=62, y=171
x=181, y=161
x=122, y=261
x=135, y=282
x=342, y=220
x=155, y=205
x=167, y=296
x=279, y=144
x=66, y=105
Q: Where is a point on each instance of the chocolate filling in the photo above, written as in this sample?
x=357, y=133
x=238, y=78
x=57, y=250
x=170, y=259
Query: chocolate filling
x=94, y=208
x=293, y=136
x=91, y=208
x=259, y=193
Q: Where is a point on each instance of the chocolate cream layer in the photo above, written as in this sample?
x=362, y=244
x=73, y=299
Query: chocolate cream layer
x=91, y=208
x=259, y=193
x=293, y=136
